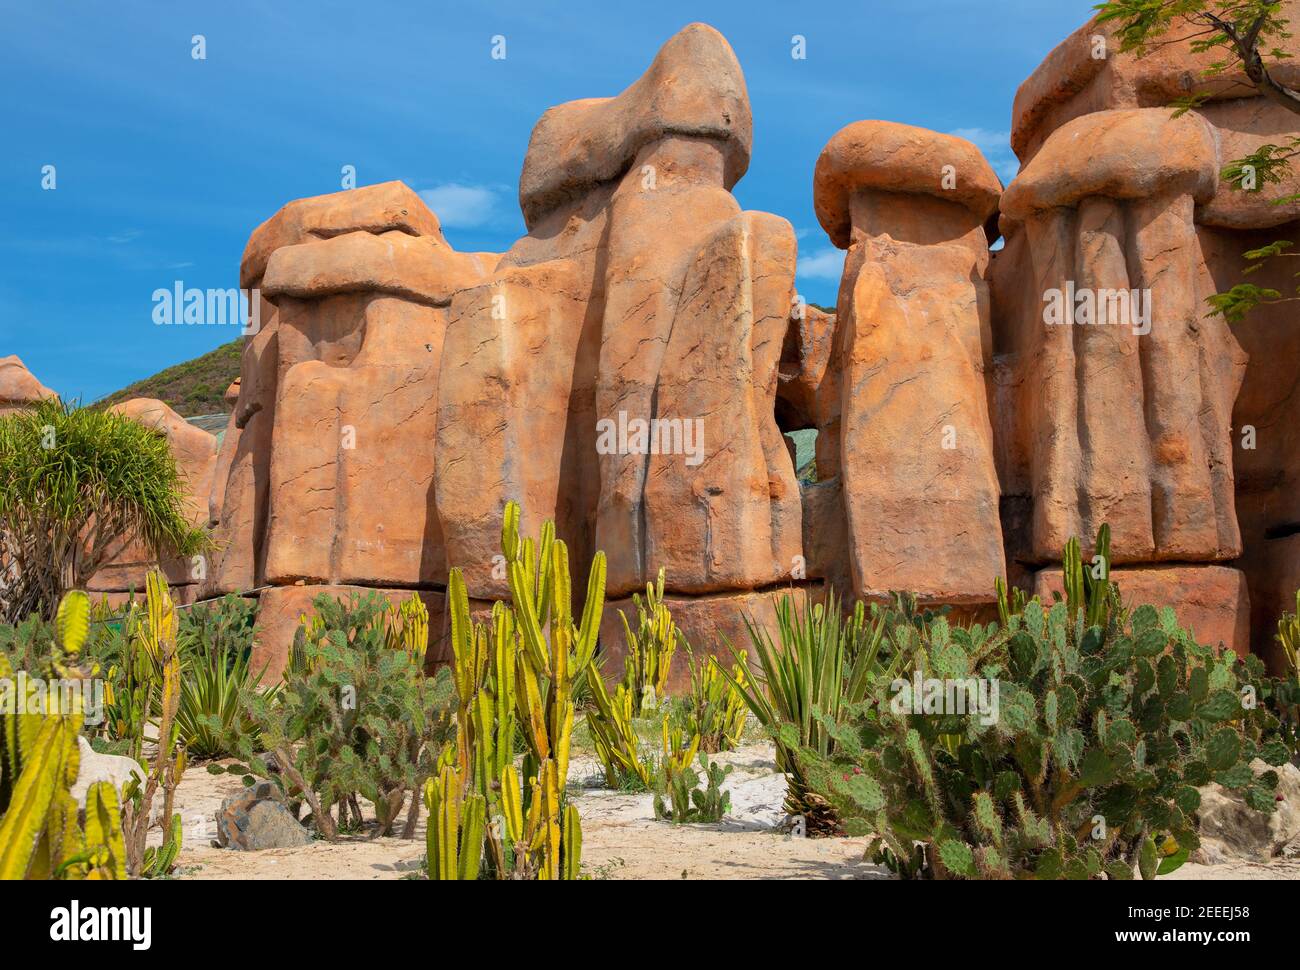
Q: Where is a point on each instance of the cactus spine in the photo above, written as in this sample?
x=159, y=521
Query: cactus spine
x=650, y=650
x=514, y=676
x=40, y=836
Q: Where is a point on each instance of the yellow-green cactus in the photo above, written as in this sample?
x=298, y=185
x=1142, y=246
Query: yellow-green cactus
x=456, y=827
x=40, y=833
x=650, y=649
x=1288, y=634
x=514, y=676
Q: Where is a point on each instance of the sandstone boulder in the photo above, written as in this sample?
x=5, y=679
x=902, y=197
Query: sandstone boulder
x=18, y=388
x=1210, y=601
x=915, y=440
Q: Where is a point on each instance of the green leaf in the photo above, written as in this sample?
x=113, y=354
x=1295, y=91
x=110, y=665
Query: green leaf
x=957, y=857
x=1147, y=859
x=1223, y=749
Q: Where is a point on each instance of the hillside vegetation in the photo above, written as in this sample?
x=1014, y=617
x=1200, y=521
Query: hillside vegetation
x=192, y=388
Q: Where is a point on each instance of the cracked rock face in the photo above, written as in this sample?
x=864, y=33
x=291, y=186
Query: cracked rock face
x=629, y=367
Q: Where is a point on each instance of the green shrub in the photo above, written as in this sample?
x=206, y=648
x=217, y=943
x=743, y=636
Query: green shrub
x=216, y=641
x=75, y=484
x=354, y=716
x=1107, y=723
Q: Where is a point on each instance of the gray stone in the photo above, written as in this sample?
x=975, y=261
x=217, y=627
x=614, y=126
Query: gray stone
x=256, y=819
x=1231, y=830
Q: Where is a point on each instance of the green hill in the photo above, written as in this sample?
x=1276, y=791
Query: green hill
x=193, y=388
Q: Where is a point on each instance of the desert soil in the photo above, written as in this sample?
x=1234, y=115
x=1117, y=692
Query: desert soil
x=621, y=838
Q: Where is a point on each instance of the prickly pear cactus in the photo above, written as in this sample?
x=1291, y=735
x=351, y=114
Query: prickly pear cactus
x=1104, y=726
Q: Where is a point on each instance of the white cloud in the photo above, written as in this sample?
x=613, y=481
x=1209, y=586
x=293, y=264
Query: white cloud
x=826, y=264
x=989, y=142
x=996, y=146
x=461, y=206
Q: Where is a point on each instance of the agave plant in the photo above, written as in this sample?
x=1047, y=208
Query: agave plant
x=216, y=648
x=826, y=662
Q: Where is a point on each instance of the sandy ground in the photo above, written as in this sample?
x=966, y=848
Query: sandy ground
x=621, y=838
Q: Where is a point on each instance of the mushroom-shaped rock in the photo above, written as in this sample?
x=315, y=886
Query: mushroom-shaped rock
x=377, y=209
x=18, y=387
x=906, y=404
x=1112, y=313
x=694, y=89
x=337, y=403
x=1130, y=153
x=889, y=157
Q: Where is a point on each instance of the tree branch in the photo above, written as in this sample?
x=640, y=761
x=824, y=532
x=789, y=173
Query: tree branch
x=1247, y=48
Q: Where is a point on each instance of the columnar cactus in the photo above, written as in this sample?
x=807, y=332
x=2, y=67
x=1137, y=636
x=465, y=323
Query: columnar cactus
x=518, y=671
x=158, y=639
x=40, y=833
x=650, y=649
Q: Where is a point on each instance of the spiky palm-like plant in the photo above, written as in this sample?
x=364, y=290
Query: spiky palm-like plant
x=75, y=485
x=826, y=661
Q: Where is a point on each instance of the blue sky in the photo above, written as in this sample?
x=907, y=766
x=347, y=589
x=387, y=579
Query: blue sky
x=165, y=164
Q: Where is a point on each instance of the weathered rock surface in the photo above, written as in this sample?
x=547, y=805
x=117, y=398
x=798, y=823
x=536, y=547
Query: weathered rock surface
x=93, y=767
x=1117, y=193
x=1230, y=829
x=258, y=819
x=18, y=387
x=1108, y=206
x=916, y=443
